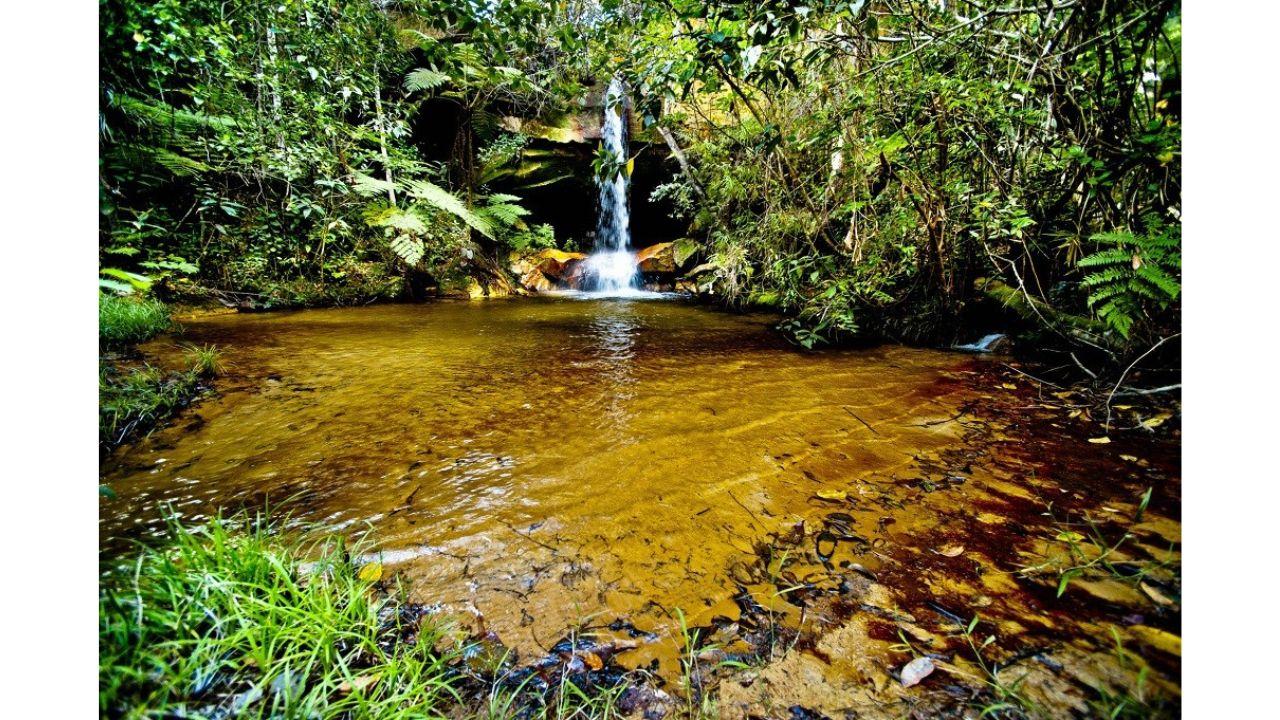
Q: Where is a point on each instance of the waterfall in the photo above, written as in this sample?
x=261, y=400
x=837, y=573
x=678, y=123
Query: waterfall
x=611, y=267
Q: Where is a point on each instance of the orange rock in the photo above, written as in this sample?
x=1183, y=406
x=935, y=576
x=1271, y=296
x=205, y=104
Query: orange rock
x=659, y=258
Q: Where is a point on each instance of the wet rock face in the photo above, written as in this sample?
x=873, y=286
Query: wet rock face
x=657, y=259
x=658, y=267
x=544, y=270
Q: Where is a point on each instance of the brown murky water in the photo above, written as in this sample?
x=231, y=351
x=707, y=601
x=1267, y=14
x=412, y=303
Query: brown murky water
x=563, y=463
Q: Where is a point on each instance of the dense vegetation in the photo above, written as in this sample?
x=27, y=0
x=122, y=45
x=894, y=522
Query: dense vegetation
x=868, y=162
x=266, y=148
x=897, y=167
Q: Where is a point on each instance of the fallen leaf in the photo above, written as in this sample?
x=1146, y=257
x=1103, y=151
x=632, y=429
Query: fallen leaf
x=1157, y=421
x=1100, y=440
x=360, y=682
x=371, y=572
x=1158, y=639
x=950, y=550
x=916, y=670
x=1156, y=596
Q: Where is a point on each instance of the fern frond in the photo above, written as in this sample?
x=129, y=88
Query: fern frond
x=424, y=79
x=390, y=216
x=501, y=198
x=1114, y=256
x=503, y=215
x=1161, y=280
x=408, y=248
x=158, y=113
x=1117, y=237
x=1132, y=274
x=368, y=186
x=437, y=196
x=1103, y=277
x=179, y=165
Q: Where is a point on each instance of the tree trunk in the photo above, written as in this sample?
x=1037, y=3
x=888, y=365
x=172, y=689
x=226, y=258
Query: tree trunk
x=682, y=159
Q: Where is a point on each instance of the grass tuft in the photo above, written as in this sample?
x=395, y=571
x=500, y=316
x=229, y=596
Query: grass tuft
x=222, y=620
x=135, y=401
x=204, y=360
x=123, y=319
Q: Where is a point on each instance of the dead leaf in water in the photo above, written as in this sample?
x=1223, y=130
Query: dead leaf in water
x=1156, y=596
x=371, y=572
x=1156, y=421
x=916, y=670
x=950, y=550
x=1158, y=639
x=1100, y=440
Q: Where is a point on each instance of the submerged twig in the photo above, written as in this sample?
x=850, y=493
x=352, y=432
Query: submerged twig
x=864, y=422
x=1124, y=374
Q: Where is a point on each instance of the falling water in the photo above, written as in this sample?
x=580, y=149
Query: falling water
x=611, y=268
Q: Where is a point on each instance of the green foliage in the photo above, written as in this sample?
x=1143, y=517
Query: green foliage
x=227, y=615
x=1131, y=276
x=536, y=237
x=501, y=211
x=863, y=184
x=124, y=319
x=251, y=136
x=134, y=402
x=424, y=79
x=438, y=197
x=226, y=132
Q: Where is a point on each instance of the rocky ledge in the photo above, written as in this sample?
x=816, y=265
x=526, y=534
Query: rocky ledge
x=662, y=268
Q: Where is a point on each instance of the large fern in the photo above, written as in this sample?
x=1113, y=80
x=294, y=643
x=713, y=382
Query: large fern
x=396, y=218
x=424, y=79
x=501, y=211
x=407, y=226
x=1131, y=275
x=408, y=248
x=438, y=197
x=155, y=112
x=369, y=186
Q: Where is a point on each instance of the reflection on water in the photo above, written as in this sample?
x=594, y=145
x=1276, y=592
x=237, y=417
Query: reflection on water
x=613, y=332
x=545, y=460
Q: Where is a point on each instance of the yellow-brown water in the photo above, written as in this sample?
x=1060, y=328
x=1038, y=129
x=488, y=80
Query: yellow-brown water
x=561, y=463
